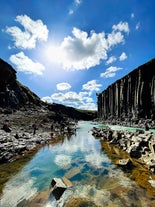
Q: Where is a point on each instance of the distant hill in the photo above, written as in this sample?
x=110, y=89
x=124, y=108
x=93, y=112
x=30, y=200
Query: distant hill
x=15, y=96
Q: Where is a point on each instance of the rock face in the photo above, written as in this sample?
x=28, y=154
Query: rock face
x=12, y=93
x=132, y=97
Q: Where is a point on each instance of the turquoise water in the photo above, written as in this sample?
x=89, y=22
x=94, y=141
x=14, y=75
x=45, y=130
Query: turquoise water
x=81, y=160
x=118, y=127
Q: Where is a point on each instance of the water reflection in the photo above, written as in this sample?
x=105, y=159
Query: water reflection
x=79, y=158
x=19, y=188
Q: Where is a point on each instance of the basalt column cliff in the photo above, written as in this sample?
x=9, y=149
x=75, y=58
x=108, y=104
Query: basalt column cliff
x=131, y=98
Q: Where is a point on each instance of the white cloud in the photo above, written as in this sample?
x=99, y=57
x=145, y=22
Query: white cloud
x=137, y=26
x=111, y=60
x=68, y=98
x=47, y=99
x=88, y=106
x=81, y=100
x=91, y=86
x=33, y=31
x=88, y=100
x=74, y=6
x=123, y=56
x=77, y=2
x=110, y=72
x=63, y=86
x=122, y=27
x=132, y=15
x=71, y=12
x=78, y=101
x=26, y=65
x=115, y=38
x=82, y=51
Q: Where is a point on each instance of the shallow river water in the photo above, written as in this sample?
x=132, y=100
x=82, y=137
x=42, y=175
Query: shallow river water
x=79, y=158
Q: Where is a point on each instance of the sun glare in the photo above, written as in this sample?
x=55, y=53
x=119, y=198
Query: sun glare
x=53, y=53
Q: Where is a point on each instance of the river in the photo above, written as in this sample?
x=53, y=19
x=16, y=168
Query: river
x=80, y=158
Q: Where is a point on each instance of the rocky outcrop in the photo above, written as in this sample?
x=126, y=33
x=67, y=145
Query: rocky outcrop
x=13, y=94
x=139, y=144
x=131, y=98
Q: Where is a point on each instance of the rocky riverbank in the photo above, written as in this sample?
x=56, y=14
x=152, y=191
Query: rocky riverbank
x=28, y=129
x=139, y=144
x=133, y=152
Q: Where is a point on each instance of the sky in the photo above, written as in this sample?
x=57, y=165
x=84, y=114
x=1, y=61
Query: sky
x=67, y=51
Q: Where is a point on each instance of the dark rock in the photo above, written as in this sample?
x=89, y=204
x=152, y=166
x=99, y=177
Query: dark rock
x=12, y=93
x=125, y=164
x=131, y=99
x=135, y=153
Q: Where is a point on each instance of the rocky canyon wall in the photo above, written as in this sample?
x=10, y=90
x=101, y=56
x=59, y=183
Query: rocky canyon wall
x=12, y=93
x=131, y=97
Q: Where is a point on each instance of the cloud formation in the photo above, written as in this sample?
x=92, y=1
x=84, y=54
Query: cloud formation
x=91, y=86
x=123, y=56
x=63, y=86
x=132, y=15
x=83, y=50
x=26, y=65
x=137, y=26
x=111, y=60
x=33, y=31
x=78, y=2
x=74, y=7
x=80, y=51
x=70, y=97
x=82, y=100
x=122, y=27
x=110, y=72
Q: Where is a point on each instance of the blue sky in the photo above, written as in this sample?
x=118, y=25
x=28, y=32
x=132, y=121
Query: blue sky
x=66, y=51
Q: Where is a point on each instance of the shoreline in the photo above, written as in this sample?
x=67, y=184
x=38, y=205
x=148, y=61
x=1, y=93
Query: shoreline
x=23, y=137
x=133, y=152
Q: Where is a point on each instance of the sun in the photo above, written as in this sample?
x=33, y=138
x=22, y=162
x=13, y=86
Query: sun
x=53, y=53
x=58, y=55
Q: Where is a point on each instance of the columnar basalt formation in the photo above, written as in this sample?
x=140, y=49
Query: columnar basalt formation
x=131, y=97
